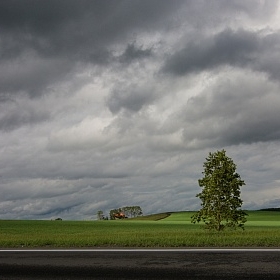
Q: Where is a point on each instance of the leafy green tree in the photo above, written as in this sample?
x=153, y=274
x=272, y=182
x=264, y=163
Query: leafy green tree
x=136, y=211
x=220, y=195
x=133, y=211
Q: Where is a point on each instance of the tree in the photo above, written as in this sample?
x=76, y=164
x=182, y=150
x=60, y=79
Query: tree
x=114, y=213
x=136, y=211
x=220, y=195
x=100, y=215
x=132, y=211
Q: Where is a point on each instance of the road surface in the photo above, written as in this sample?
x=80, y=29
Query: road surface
x=140, y=264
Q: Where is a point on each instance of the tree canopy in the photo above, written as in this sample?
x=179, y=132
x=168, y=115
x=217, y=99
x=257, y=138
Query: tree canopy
x=220, y=195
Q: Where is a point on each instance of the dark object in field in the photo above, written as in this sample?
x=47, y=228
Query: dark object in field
x=119, y=215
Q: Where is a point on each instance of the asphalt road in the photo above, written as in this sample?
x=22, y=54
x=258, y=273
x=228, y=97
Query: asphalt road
x=140, y=264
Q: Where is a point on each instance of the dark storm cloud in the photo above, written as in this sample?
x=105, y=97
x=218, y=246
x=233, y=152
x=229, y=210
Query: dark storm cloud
x=75, y=28
x=239, y=48
x=42, y=41
x=56, y=33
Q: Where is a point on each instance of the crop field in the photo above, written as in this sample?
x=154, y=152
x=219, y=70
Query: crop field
x=159, y=230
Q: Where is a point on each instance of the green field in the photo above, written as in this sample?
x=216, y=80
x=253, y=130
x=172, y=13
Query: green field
x=160, y=230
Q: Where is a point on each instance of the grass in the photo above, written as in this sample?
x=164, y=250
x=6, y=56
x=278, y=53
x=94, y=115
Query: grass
x=159, y=230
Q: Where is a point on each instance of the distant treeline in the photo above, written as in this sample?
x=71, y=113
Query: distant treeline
x=270, y=209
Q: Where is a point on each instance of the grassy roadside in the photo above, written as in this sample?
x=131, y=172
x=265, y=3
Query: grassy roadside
x=175, y=230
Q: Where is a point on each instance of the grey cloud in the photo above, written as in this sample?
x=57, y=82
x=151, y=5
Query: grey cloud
x=16, y=119
x=46, y=40
x=47, y=198
x=74, y=28
x=131, y=98
x=14, y=115
x=236, y=110
x=239, y=48
x=57, y=211
x=259, y=10
x=55, y=33
x=227, y=47
x=132, y=52
x=212, y=14
x=31, y=75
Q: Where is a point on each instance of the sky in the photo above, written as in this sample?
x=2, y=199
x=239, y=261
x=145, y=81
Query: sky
x=113, y=103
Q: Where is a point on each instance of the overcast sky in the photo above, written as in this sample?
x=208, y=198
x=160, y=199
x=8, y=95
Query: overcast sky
x=111, y=103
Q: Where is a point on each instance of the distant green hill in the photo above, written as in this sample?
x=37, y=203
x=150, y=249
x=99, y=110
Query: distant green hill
x=153, y=217
x=167, y=216
x=264, y=216
x=270, y=209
